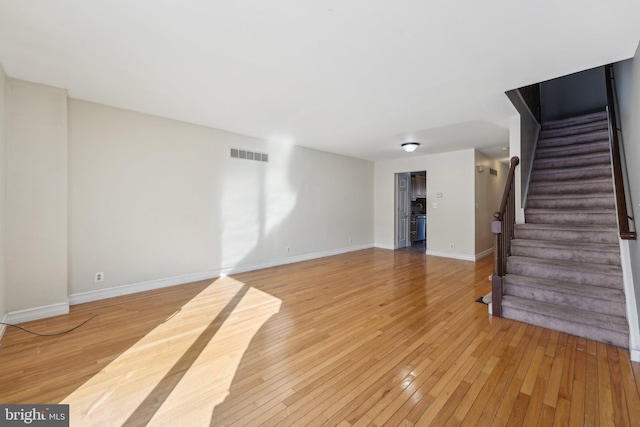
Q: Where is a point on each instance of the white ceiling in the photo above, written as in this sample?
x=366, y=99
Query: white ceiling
x=355, y=77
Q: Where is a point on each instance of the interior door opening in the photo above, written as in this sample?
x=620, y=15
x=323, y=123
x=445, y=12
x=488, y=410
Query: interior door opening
x=411, y=211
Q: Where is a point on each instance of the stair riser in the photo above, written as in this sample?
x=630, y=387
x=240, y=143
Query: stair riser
x=594, y=147
x=557, y=273
x=569, y=162
x=599, y=127
x=585, y=331
x=546, y=140
x=595, y=257
x=613, y=308
x=567, y=236
x=570, y=174
x=578, y=187
x=573, y=218
x=563, y=203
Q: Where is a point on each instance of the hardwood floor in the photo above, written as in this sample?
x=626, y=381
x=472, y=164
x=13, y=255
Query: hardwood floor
x=370, y=338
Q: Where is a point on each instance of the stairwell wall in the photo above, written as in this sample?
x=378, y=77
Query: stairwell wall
x=488, y=195
x=3, y=309
x=627, y=74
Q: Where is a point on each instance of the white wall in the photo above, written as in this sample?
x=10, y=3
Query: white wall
x=152, y=198
x=452, y=222
x=3, y=310
x=36, y=197
x=627, y=75
x=488, y=195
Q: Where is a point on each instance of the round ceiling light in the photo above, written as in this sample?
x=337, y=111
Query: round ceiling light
x=410, y=147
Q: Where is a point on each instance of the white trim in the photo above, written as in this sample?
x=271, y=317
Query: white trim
x=83, y=297
x=37, y=313
x=116, y=291
x=3, y=328
x=484, y=254
x=630, y=297
x=454, y=255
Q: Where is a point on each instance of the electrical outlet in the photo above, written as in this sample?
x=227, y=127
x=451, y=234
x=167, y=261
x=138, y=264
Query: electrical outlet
x=450, y=245
x=350, y=239
x=287, y=249
x=99, y=277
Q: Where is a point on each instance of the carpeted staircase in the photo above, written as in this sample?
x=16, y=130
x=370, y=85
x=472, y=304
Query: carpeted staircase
x=564, y=270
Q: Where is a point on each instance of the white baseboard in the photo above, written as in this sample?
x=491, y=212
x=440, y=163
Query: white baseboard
x=484, y=254
x=635, y=355
x=454, y=255
x=37, y=313
x=116, y=291
x=100, y=294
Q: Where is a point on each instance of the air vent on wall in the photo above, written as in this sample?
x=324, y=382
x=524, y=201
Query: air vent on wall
x=493, y=172
x=249, y=155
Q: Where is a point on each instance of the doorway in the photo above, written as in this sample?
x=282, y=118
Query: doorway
x=411, y=211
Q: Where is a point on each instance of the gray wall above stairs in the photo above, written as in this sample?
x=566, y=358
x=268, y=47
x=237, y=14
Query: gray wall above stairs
x=572, y=95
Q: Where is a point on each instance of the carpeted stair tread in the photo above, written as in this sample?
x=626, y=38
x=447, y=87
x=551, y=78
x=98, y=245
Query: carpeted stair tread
x=583, y=129
x=596, y=253
x=569, y=196
x=571, y=173
x=578, y=216
x=613, y=323
x=568, y=232
x=569, y=265
x=599, y=247
x=597, y=326
x=570, y=201
x=599, y=146
x=576, y=120
x=585, y=186
x=595, y=159
x=604, y=228
x=597, y=292
x=605, y=275
x=584, y=297
x=566, y=139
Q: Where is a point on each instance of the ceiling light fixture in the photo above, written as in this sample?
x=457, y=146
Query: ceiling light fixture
x=410, y=147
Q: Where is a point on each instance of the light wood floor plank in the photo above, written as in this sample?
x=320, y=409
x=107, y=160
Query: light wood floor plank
x=369, y=338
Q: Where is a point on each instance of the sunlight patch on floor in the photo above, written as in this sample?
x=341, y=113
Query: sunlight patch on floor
x=171, y=374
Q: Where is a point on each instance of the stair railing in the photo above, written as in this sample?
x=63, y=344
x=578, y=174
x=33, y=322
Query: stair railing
x=502, y=227
x=625, y=221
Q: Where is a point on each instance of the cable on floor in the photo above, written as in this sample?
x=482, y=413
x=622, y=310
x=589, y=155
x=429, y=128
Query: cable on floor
x=49, y=335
